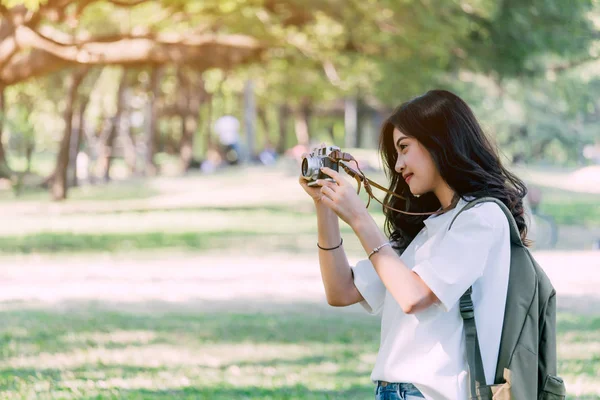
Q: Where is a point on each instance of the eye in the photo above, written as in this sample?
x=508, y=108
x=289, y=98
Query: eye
x=403, y=147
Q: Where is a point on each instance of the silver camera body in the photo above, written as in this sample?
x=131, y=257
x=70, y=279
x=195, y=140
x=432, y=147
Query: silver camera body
x=312, y=163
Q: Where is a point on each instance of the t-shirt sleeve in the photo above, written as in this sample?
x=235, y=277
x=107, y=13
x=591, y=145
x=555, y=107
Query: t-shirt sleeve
x=461, y=256
x=369, y=285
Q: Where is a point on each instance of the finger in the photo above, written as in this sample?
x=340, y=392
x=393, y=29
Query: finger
x=333, y=174
x=328, y=191
x=324, y=182
x=327, y=201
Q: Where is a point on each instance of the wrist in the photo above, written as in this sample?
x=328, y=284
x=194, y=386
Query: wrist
x=323, y=209
x=361, y=221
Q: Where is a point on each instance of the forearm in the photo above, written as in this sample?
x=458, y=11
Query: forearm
x=406, y=287
x=335, y=269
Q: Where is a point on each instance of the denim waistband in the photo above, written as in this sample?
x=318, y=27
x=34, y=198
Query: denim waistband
x=409, y=388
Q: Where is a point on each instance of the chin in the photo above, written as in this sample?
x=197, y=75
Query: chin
x=417, y=192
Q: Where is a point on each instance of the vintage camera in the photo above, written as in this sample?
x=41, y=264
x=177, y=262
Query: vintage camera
x=312, y=163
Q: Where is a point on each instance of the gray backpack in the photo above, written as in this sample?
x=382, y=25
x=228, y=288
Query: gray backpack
x=526, y=368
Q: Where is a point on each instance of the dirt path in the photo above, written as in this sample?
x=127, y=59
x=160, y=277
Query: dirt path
x=234, y=280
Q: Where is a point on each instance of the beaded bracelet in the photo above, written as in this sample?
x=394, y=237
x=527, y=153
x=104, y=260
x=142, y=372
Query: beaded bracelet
x=376, y=249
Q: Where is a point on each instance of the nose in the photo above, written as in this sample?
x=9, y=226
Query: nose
x=400, y=164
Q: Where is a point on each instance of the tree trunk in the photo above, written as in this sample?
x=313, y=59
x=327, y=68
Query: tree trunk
x=77, y=139
x=106, y=154
x=29, y=156
x=209, y=124
x=360, y=123
x=150, y=168
x=96, y=139
x=5, y=171
x=59, y=186
x=188, y=128
x=250, y=119
x=128, y=143
x=302, y=123
x=283, y=114
x=262, y=115
x=351, y=122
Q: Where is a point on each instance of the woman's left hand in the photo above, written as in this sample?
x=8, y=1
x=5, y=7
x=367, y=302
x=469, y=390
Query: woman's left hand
x=341, y=197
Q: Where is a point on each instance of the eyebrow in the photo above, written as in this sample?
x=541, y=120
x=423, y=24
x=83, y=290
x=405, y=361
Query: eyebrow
x=401, y=139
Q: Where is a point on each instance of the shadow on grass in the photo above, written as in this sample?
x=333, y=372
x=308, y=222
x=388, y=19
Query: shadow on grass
x=253, y=393
x=298, y=337
x=48, y=330
x=319, y=335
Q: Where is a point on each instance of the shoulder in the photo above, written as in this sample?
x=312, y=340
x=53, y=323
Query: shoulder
x=487, y=214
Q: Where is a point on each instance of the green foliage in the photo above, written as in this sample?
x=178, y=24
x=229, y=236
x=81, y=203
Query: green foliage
x=514, y=38
x=319, y=52
x=32, y=114
x=20, y=128
x=32, y=5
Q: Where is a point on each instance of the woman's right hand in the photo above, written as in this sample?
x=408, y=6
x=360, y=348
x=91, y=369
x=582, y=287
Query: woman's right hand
x=313, y=191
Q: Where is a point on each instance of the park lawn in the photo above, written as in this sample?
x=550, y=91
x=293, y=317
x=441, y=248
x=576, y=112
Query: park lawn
x=187, y=351
x=102, y=192
x=216, y=212
x=569, y=208
x=244, y=228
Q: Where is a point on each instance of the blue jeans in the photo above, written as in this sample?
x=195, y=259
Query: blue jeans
x=397, y=391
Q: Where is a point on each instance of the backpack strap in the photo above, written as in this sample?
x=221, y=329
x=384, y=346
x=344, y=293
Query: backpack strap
x=476, y=372
x=467, y=311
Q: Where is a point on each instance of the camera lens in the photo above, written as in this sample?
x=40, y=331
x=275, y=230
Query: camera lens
x=305, y=167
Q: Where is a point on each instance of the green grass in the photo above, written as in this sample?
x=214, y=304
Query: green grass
x=569, y=208
x=200, y=349
x=301, y=351
x=71, y=243
x=93, y=353
x=244, y=229
x=123, y=217
x=100, y=192
x=242, y=242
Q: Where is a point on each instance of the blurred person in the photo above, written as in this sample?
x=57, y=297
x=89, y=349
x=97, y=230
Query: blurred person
x=438, y=158
x=213, y=160
x=227, y=128
x=296, y=153
x=82, y=166
x=268, y=156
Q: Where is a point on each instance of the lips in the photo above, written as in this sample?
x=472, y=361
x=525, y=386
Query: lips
x=407, y=177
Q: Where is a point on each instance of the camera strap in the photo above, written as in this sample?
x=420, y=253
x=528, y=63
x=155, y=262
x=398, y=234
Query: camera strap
x=342, y=158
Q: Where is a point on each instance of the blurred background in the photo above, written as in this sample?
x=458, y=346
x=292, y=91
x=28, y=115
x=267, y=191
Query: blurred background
x=155, y=242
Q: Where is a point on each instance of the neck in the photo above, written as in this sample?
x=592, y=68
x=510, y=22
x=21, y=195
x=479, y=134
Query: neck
x=445, y=195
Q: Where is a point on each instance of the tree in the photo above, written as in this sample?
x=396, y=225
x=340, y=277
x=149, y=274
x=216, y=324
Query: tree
x=58, y=185
x=303, y=56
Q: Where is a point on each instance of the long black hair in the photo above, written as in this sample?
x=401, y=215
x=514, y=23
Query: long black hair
x=446, y=126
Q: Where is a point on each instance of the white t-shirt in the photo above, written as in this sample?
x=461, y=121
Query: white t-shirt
x=427, y=348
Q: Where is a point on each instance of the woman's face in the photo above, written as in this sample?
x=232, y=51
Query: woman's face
x=415, y=165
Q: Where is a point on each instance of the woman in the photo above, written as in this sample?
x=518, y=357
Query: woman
x=438, y=158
